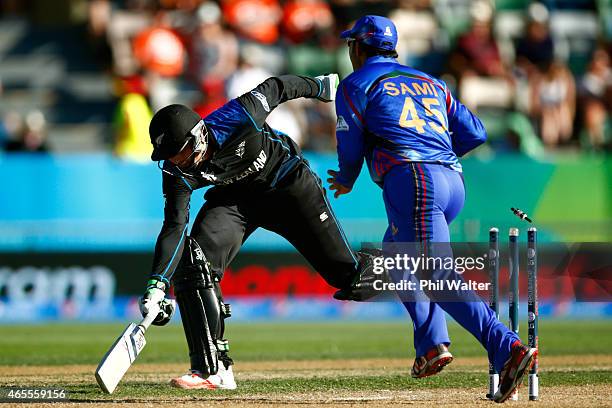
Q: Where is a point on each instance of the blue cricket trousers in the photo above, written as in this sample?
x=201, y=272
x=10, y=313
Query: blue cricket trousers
x=421, y=200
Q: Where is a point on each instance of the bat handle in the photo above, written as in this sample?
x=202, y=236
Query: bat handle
x=148, y=319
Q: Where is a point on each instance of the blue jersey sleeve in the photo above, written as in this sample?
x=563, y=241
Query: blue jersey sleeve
x=467, y=131
x=350, y=108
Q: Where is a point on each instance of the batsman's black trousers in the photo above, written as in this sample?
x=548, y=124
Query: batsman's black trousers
x=295, y=208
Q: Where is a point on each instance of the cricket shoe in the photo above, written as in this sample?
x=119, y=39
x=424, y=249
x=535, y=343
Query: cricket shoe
x=193, y=380
x=432, y=362
x=520, y=361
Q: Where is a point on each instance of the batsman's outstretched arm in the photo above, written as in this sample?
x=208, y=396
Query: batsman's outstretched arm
x=171, y=239
x=261, y=101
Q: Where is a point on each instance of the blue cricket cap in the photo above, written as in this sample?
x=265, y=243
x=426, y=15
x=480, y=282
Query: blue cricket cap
x=375, y=31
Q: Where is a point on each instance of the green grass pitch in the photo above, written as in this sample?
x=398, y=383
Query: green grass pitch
x=65, y=344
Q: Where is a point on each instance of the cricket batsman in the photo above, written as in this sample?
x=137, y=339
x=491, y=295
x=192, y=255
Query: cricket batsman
x=411, y=131
x=259, y=179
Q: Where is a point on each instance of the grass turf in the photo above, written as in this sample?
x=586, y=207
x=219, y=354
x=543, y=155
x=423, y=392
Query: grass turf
x=61, y=344
x=328, y=385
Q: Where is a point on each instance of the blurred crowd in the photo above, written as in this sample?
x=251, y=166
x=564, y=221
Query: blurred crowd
x=539, y=73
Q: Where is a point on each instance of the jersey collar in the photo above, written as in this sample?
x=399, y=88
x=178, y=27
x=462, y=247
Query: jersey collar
x=378, y=59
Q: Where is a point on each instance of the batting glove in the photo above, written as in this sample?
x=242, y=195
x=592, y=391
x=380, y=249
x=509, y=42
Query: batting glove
x=328, y=85
x=156, y=295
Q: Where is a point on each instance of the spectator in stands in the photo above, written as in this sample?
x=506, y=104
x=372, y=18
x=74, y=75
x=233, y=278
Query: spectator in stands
x=131, y=122
x=553, y=94
x=99, y=15
x=417, y=29
x=161, y=54
x=181, y=14
x=256, y=20
x=4, y=135
x=12, y=126
x=159, y=49
x=476, y=63
x=256, y=23
x=535, y=49
x=477, y=52
x=123, y=25
x=30, y=135
x=304, y=20
x=596, y=98
x=534, y=52
x=347, y=11
x=214, y=50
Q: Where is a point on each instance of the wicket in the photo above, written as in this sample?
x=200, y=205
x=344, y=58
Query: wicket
x=532, y=308
x=493, y=294
x=513, y=298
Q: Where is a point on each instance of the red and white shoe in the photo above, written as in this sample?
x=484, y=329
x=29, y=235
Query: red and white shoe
x=223, y=380
x=432, y=362
x=520, y=361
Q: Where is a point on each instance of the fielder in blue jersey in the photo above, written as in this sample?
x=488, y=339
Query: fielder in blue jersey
x=411, y=131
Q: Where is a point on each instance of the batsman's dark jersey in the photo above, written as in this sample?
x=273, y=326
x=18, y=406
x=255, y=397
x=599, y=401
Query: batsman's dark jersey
x=259, y=179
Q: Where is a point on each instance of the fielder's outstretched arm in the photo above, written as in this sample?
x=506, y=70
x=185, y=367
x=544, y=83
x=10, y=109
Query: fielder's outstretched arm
x=350, y=133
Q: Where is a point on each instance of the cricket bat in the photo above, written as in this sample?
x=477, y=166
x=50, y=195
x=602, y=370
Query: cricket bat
x=123, y=353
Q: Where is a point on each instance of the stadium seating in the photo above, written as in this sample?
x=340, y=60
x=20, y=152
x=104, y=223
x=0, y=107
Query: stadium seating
x=45, y=69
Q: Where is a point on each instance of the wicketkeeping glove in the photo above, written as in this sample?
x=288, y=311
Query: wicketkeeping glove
x=328, y=85
x=362, y=287
x=156, y=295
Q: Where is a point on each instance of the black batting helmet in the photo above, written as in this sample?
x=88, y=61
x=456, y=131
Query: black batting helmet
x=170, y=130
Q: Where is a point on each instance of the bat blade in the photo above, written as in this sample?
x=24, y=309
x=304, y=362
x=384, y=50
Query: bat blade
x=120, y=357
